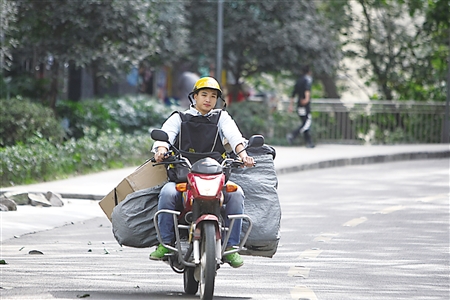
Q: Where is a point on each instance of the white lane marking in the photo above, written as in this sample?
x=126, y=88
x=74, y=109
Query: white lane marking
x=431, y=198
x=390, y=209
x=303, y=293
x=310, y=253
x=355, y=222
x=325, y=237
x=299, y=271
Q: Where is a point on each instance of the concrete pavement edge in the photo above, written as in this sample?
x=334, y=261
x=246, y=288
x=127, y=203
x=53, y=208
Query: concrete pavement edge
x=341, y=162
x=332, y=163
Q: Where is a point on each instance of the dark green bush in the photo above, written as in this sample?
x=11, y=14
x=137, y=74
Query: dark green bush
x=41, y=160
x=251, y=117
x=131, y=114
x=25, y=85
x=22, y=120
x=256, y=118
x=83, y=115
x=136, y=114
x=284, y=123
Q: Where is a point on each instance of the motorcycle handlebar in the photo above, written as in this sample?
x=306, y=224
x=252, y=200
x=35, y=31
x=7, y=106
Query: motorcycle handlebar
x=233, y=163
x=171, y=159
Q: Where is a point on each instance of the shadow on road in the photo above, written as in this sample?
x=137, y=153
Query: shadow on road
x=113, y=295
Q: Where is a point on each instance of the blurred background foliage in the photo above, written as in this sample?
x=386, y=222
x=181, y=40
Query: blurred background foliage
x=86, y=137
x=401, y=48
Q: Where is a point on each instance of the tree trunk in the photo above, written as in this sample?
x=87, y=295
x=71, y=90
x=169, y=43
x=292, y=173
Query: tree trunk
x=329, y=85
x=95, y=78
x=53, y=92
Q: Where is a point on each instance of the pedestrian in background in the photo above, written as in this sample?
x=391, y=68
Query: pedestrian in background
x=302, y=90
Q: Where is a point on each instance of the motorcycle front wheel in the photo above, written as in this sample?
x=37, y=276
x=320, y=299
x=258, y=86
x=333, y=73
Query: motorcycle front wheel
x=207, y=261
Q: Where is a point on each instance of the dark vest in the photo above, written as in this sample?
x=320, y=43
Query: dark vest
x=199, y=137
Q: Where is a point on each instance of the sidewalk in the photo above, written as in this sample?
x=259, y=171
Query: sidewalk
x=94, y=186
x=288, y=159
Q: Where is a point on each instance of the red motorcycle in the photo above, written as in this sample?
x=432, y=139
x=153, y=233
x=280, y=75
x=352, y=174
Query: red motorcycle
x=200, y=232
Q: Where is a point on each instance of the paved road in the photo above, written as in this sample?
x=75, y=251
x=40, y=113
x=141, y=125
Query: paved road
x=288, y=159
x=377, y=231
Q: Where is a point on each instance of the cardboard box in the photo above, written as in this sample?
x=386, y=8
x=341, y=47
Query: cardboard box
x=145, y=176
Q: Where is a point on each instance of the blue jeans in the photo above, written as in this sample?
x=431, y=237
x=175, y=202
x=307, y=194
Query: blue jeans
x=170, y=198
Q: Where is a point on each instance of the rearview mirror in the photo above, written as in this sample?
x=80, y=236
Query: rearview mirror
x=159, y=135
x=255, y=141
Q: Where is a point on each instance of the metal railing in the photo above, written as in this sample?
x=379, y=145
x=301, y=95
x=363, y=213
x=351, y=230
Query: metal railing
x=377, y=122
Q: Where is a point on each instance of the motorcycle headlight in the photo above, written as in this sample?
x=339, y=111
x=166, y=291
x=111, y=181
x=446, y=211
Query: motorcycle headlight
x=208, y=187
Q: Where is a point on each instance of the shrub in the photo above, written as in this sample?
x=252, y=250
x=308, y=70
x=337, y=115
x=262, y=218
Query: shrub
x=136, y=114
x=85, y=114
x=22, y=120
x=256, y=118
x=25, y=85
x=41, y=160
x=251, y=117
x=283, y=124
x=131, y=114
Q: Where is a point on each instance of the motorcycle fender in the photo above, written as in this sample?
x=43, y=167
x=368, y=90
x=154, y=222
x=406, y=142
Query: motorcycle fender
x=204, y=218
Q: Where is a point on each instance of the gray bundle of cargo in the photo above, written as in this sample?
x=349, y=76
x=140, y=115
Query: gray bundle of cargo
x=261, y=202
x=132, y=218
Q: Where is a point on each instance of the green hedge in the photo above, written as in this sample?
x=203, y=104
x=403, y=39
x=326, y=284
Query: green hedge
x=22, y=120
x=39, y=160
x=253, y=117
x=102, y=134
x=112, y=133
x=131, y=114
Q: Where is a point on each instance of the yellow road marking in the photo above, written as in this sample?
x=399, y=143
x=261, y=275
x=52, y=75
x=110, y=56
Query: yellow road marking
x=390, y=209
x=325, y=237
x=310, y=253
x=431, y=198
x=299, y=271
x=303, y=293
x=355, y=222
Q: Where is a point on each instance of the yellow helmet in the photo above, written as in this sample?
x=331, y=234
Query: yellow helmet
x=207, y=82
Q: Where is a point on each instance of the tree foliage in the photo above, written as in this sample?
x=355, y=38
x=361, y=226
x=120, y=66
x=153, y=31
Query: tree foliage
x=111, y=35
x=403, y=45
x=7, y=20
x=263, y=36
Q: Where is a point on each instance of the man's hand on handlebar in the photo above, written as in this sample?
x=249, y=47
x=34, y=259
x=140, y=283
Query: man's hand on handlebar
x=248, y=161
x=161, y=154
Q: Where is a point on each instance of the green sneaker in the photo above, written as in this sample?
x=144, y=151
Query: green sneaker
x=159, y=253
x=234, y=260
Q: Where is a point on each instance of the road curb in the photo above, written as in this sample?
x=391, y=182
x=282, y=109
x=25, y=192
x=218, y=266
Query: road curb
x=342, y=162
x=332, y=163
x=82, y=196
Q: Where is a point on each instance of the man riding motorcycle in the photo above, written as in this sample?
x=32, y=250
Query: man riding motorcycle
x=199, y=132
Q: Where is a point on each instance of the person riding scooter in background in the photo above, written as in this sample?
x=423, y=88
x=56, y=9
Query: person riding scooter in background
x=199, y=132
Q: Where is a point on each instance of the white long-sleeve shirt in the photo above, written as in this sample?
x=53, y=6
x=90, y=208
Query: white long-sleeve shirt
x=227, y=129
